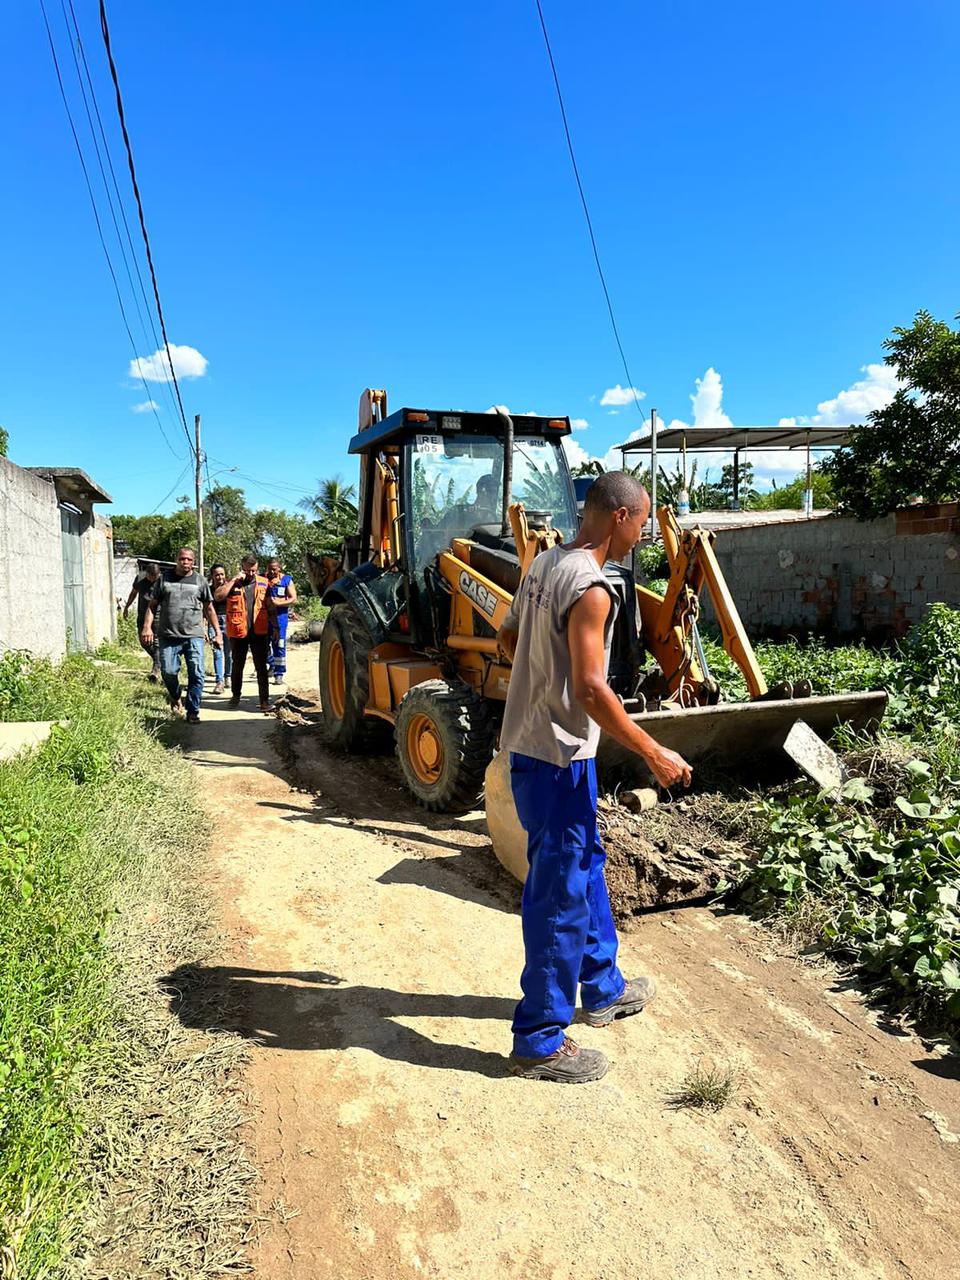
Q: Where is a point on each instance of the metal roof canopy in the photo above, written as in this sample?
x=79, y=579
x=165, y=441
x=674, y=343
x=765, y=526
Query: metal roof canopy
x=703, y=439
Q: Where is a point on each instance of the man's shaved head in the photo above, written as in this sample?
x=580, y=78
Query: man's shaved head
x=613, y=490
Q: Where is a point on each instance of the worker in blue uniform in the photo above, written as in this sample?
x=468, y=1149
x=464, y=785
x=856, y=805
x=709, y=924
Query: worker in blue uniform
x=284, y=594
x=557, y=635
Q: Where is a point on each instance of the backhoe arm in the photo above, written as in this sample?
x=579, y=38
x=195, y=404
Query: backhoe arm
x=668, y=621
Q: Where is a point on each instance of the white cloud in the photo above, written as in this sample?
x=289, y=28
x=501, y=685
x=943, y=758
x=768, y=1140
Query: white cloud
x=579, y=424
x=576, y=454
x=620, y=396
x=875, y=391
x=145, y=406
x=187, y=363
x=707, y=401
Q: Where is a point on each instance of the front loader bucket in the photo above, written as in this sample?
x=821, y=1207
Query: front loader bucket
x=730, y=732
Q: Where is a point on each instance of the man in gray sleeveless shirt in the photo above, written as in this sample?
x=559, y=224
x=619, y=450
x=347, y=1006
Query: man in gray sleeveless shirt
x=557, y=635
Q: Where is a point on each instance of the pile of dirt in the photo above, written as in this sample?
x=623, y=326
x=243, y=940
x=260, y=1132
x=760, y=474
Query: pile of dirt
x=673, y=853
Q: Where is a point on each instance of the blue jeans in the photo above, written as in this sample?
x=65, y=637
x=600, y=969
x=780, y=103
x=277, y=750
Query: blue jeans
x=191, y=651
x=569, y=936
x=222, y=658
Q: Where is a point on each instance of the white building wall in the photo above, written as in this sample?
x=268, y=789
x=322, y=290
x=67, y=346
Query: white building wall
x=31, y=564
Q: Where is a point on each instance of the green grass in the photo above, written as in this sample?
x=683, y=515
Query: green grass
x=87, y=824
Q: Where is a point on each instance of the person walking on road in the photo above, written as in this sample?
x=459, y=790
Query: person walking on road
x=222, y=657
x=183, y=606
x=142, y=590
x=284, y=594
x=251, y=617
x=557, y=634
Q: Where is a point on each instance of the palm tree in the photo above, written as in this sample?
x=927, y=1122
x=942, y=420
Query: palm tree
x=334, y=510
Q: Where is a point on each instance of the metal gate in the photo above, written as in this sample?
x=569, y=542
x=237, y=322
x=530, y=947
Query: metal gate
x=70, y=527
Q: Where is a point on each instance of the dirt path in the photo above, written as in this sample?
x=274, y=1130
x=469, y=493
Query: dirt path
x=374, y=960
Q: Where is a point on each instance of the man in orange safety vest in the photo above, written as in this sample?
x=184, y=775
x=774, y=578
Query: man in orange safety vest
x=251, y=616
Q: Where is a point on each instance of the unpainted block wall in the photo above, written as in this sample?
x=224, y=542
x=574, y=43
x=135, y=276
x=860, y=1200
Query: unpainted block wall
x=841, y=577
x=31, y=564
x=98, y=589
x=32, y=614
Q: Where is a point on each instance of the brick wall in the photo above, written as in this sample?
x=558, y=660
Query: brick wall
x=842, y=577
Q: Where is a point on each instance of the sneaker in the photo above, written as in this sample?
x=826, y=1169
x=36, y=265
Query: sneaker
x=234, y=701
x=265, y=708
x=218, y=687
x=176, y=710
x=154, y=677
x=637, y=994
x=193, y=718
x=569, y=1065
x=278, y=679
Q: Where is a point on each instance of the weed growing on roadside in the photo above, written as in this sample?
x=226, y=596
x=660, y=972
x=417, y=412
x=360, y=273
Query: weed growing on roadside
x=708, y=1088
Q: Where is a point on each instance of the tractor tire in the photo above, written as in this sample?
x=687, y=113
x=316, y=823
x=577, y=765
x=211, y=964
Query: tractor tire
x=445, y=737
x=345, y=681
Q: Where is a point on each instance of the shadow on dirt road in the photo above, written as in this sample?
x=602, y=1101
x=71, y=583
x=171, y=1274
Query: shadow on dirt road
x=313, y=1010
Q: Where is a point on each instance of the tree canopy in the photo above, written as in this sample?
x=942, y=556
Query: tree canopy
x=909, y=450
x=231, y=529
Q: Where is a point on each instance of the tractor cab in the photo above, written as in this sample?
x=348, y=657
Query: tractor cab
x=430, y=479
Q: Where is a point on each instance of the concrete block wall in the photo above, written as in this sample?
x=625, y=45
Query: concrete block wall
x=100, y=607
x=32, y=613
x=842, y=577
x=31, y=564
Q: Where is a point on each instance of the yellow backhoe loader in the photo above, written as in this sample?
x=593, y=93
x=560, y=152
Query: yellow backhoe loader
x=453, y=508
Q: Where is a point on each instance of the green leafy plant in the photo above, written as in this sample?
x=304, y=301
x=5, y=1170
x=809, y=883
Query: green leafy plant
x=909, y=450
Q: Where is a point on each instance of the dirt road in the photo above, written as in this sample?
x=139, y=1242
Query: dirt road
x=374, y=962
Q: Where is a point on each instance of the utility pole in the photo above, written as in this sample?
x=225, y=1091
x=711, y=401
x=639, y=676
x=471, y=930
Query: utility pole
x=199, y=459
x=653, y=473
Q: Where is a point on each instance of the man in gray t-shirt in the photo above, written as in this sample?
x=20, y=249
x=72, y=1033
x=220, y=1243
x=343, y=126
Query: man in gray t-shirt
x=182, y=604
x=557, y=634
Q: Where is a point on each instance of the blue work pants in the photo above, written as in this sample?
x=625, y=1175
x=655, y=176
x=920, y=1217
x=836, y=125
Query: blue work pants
x=569, y=936
x=277, y=657
x=191, y=650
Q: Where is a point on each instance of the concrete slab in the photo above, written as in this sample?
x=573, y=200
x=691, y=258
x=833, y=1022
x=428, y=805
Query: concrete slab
x=23, y=735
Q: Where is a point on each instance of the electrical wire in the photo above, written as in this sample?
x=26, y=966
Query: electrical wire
x=181, y=477
x=96, y=216
x=148, y=311
x=105, y=29
x=586, y=210
x=103, y=175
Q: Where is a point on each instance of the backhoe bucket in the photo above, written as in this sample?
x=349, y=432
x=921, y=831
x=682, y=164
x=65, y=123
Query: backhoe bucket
x=730, y=732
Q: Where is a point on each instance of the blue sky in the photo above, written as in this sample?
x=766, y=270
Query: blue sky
x=379, y=194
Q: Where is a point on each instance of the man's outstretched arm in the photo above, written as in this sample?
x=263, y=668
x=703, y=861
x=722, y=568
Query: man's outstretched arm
x=585, y=634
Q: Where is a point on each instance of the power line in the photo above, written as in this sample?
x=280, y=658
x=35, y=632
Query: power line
x=96, y=216
x=103, y=175
x=116, y=188
x=586, y=210
x=179, y=478
x=105, y=29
